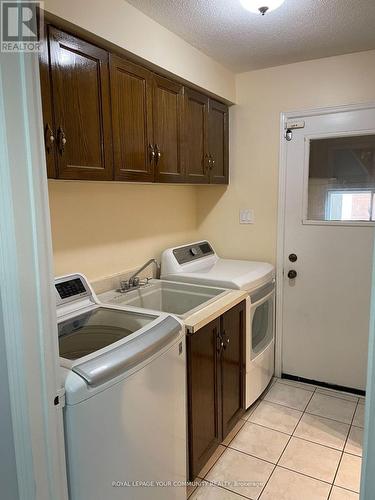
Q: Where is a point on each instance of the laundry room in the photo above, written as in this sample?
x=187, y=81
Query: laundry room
x=187, y=219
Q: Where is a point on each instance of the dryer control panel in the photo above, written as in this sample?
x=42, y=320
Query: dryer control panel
x=192, y=252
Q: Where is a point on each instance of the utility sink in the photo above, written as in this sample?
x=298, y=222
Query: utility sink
x=181, y=299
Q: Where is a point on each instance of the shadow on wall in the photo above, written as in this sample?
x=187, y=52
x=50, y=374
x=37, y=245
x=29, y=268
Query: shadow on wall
x=95, y=214
x=208, y=199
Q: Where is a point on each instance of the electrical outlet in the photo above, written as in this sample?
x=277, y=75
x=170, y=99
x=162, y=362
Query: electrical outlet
x=247, y=216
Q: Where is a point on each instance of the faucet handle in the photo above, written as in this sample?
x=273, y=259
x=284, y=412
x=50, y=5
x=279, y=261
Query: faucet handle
x=124, y=285
x=136, y=281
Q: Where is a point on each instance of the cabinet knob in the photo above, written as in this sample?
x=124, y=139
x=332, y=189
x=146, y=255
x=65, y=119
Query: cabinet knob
x=49, y=138
x=152, y=152
x=157, y=154
x=61, y=140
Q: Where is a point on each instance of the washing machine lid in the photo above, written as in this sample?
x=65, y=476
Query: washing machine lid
x=95, y=329
x=227, y=273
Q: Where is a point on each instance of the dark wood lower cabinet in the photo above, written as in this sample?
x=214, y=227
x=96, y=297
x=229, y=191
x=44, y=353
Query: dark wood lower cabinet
x=232, y=367
x=215, y=356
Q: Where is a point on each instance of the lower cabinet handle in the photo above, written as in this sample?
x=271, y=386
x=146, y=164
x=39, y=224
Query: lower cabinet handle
x=207, y=161
x=152, y=153
x=61, y=140
x=158, y=153
x=49, y=138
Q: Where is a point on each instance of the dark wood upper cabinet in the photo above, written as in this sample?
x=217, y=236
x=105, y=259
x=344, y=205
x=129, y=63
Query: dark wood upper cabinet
x=80, y=108
x=206, y=138
x=203, y=394
x=218, y=142
x=109, y=118
x=216, y=391
x=131, y=92
x=168, y=123
x=196, y=137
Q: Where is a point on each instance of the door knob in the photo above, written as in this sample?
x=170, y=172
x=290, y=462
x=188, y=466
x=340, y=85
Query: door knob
x=292, y=274
x=293, y=257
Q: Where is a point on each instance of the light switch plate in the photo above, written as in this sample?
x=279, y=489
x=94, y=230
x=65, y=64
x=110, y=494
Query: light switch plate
x=247, y=216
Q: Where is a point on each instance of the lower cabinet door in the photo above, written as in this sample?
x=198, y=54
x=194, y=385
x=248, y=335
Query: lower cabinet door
x=232, y=366
x=203, y=388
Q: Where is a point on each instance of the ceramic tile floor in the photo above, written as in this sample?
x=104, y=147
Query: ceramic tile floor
x=297, y=442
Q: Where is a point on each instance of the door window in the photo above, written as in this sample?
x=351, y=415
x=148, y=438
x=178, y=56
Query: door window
x=341, y=181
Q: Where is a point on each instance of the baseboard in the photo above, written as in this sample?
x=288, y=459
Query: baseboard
x=335, y=387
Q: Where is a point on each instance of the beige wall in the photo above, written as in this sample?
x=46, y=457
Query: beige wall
x=127, y=27
x=254, y=145
x=102, y=228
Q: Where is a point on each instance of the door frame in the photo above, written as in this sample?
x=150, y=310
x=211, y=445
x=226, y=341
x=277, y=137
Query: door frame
x=28, y=312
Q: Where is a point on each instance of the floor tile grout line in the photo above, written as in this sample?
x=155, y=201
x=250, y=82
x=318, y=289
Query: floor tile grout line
x=318, y=444
x=252, y=456
x=304, y=411
x=226, y=489
x=306, y=475
x=293, y=386
x=293, y=435
x=319, y=387
x=333, y=419
x=343, y=451
x=265, y=427
x=227, y=446
x=282, y=453
x=318, y=390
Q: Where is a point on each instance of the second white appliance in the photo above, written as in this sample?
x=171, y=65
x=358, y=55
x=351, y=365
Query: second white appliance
x=198, y=263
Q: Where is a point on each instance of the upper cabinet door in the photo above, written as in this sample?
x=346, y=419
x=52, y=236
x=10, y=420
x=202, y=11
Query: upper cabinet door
x=218, y=142
x=81, y=108
x=196, y=137
x=167, y=119
x=131, y=91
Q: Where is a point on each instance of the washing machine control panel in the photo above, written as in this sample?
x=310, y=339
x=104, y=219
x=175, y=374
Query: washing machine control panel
x=196, y=251
x=70, y=288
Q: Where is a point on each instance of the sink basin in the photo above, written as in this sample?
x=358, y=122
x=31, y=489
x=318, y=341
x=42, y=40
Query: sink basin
x=181, y=299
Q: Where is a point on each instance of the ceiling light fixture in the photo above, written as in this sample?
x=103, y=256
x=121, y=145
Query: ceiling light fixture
x=261, y=6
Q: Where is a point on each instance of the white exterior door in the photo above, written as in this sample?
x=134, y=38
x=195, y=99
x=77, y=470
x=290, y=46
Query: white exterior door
x=329, y=209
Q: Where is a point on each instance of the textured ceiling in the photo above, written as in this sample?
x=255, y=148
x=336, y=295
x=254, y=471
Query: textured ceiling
x=299, y=30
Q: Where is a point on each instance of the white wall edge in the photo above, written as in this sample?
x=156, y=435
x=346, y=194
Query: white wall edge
x=27, y=284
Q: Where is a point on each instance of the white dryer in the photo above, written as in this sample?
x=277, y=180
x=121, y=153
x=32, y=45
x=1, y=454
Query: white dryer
x=198, y=263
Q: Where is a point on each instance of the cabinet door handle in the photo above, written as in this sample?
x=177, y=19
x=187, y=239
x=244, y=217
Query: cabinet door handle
x=219, y=343
x=49, y=137
x=207, y=164
x=61, y=140
x=212, y=162
x=157, y=154
x=225, y=340
x=152, y=153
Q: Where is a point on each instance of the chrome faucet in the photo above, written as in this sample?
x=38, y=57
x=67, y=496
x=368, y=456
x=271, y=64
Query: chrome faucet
x=134, y=280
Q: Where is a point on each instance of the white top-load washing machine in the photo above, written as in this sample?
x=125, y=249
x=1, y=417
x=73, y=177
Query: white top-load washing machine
x=198, y=263
x=125, y=412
